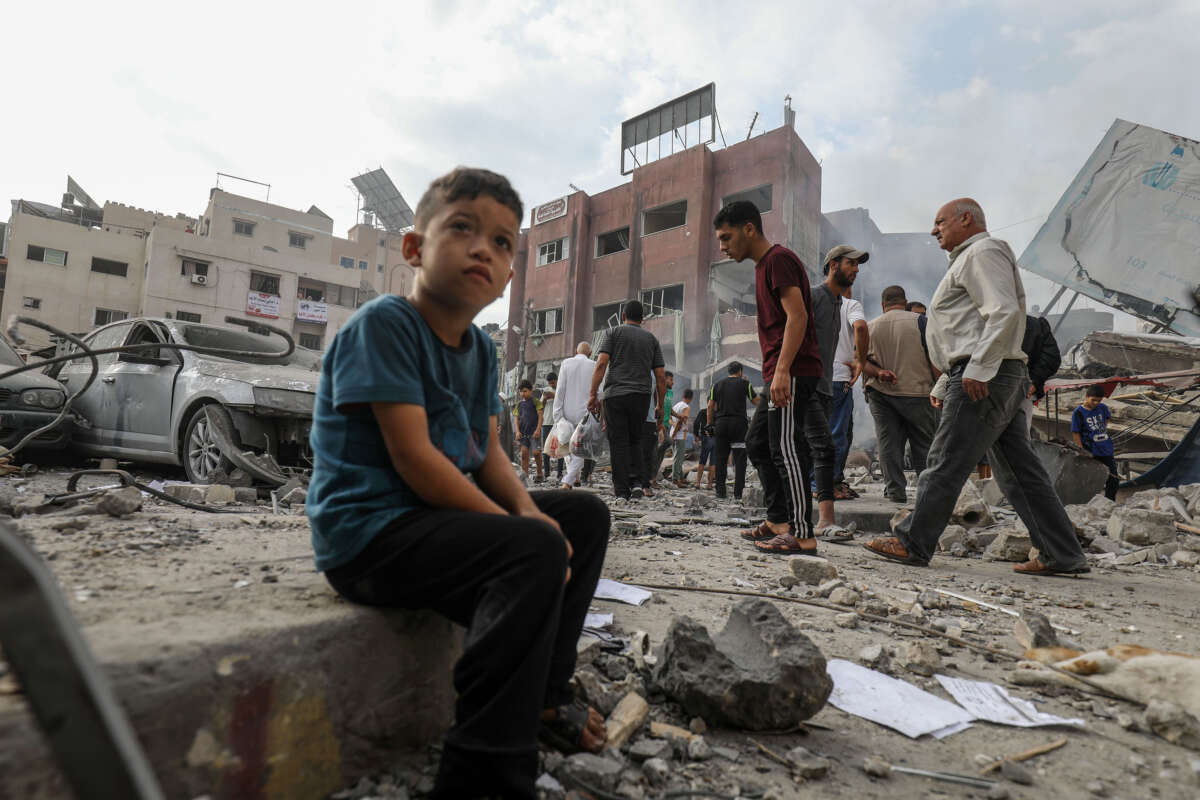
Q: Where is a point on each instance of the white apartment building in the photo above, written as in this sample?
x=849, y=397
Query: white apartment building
x=77, y=267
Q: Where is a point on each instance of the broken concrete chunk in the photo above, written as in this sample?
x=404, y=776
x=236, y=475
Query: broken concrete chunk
x=698, y=749
x=187, y=492
x=846, y=620
x=1177, y=726
x=900, y=515
x=876, y=767
x=120, y=502
x=759, y=673
x=1016, y=773
x=875, y=657
x=954, y=534
x=1139, y=526
x=1103, y=544
x=971, y=511
x=601, y=772
x=991, y=492
x=1034, y=630
x=646, y=749
x=672, y=733
x=826, y=588
x=219, y=494
x=1010, y=546
x=626, y=719
x=1185, y=558
x=245, y=494
x=812, y=569
x=656, y=771
x=294, y=497
x=920, y=657
x=806, y=764
x=844, y=596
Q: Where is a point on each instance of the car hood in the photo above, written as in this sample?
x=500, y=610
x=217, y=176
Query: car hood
x=267, y=376
x=31, y=379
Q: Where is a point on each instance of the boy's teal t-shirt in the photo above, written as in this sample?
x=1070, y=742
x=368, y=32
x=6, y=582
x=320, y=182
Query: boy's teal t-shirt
x=386, y=353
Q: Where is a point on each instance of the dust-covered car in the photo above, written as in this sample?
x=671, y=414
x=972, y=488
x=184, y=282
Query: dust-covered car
x=204, y=412
x=30, y=400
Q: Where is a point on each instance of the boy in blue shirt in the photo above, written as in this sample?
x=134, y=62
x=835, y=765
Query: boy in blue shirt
x=406, y=410
x=1089, y=427
x=529, y=422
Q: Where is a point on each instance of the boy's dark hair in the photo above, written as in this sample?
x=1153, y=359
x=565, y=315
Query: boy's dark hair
x=735, y=367
x=551, y=376
x=914, y=304
x=525, y=385
x=687, y=394
x=893, y=295
x=1096, y=390
x=668, y=374
x=737, y=214
x=468, y=182
x=633, y=311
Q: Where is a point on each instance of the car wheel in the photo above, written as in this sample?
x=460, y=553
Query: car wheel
x=201, y=455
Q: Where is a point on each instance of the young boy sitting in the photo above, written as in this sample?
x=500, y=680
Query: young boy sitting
x=406, y=410
x=529, y=423
x=1089, y=427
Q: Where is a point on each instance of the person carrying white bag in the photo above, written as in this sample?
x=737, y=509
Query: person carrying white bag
x=570, y=407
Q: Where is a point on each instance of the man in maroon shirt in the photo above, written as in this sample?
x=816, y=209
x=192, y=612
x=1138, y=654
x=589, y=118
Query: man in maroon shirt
x=778, y=442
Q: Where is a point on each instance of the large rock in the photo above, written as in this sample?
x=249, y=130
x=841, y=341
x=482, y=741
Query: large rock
x=120, y=502
x=1010, y=546
x=759, y=673
x=812, y=569
x=1075, y=475
x=991, y=492
x=598, y=771
x=971, y=511
x=954, y=534
x=1140, y=526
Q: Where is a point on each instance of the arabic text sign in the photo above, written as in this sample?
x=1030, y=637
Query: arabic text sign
x=261, y=304
x=312, y=311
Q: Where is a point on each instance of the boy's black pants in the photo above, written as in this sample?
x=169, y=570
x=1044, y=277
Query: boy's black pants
x=501, y=576
x=730, y=437
x=1112, y=482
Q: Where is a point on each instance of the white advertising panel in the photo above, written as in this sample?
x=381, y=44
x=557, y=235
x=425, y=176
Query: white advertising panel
x=261, y=304
x=1127, y=231
x=312, y=311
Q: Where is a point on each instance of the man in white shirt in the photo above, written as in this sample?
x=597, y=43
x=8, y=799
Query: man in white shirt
x=570, y=400
x=976, y=325
x=853, y=341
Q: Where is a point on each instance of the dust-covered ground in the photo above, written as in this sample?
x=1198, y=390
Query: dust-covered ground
x=130, y=577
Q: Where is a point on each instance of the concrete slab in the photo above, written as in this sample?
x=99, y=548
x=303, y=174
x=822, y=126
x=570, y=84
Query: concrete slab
x=242, y=672
x=872, y=512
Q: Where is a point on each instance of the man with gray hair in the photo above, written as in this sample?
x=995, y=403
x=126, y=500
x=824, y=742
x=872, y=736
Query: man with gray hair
x=976, y=324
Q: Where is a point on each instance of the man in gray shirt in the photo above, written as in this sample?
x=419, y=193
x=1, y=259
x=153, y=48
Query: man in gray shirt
x=976, y=324
x=627, y=353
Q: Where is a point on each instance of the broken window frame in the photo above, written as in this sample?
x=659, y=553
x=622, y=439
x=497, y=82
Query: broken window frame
x=108, y=266
x=651, y=309
x=542, y=316
x=749, y=194
x=47, y=255
x=617, y=306
x=646, y=215
x=558, y=248
x=264, y=282
x=105, y=316
x=615, y=232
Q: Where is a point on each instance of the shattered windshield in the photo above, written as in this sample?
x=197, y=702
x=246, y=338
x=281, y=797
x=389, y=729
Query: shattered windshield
x=8, y=356
x=231, y=339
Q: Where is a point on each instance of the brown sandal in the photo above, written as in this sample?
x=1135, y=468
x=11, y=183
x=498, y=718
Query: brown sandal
x=786, y=545
x=760, y=534
x=1036, y=567
x=893, y=549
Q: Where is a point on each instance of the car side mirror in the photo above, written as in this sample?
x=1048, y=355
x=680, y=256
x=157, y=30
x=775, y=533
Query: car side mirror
x=137, y=358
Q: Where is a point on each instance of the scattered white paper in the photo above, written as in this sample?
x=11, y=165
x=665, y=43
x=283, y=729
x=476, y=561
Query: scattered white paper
x=898, y=705
x=991, y=703
x=621, y=592
x=597, y=620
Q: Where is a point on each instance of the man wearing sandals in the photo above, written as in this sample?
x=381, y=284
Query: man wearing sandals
x=784, y=428
x=976, y=324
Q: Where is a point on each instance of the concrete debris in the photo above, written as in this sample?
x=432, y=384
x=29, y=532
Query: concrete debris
x=807, y=765
x=656, y=771
x=1016, y=773
x=672, y=733
x=626, y=719
x=1075, y=475
x=991, y=492
x=698, y=749
x=697, y=725
x=826, y=588
x=953, y=535
x=812, y=570
x=1034, y=630
x=844, y=596
x=603, y=772
x=971, y=511
x=1185, y=558
x=120, y=502
x=645, y=749
x=920, y=657
x=846, y=620
x=1010, y=545
x=294, y=497
x=875, y=657
x=245, y=494
x=759, y=673
x=1138, y=526
x=189, y=493
x=876, y=767
x=1169, y=721
x=220, y=494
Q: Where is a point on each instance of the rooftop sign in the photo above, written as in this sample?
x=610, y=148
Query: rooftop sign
x=641, y=136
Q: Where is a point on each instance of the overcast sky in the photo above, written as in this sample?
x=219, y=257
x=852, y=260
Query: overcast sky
x=906, y=104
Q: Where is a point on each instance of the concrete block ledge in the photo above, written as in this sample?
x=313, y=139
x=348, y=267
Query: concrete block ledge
x=275, y=690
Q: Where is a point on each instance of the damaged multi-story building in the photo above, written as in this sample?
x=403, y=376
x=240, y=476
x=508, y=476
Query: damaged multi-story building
x=652, y=239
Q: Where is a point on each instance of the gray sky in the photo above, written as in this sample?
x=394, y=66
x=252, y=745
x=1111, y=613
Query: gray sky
x=906, y=104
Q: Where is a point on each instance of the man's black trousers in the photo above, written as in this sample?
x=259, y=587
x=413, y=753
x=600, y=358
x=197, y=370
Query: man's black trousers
x=624, y=416
x=500, y=576
x=730, y=438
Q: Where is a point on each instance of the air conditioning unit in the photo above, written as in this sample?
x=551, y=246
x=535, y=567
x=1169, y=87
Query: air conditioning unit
x=200, y=280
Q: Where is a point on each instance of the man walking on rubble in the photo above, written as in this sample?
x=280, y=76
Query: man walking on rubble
x=632, y=352
x=898, y=381
x=727, y=412
x=570, y=402
x=782, y=430
x=976, y=324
